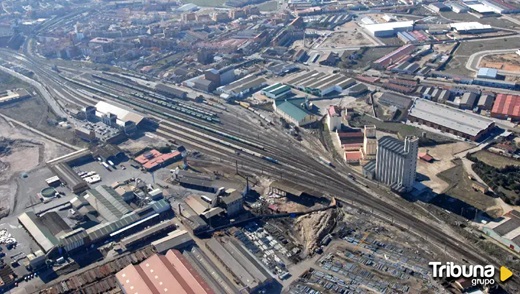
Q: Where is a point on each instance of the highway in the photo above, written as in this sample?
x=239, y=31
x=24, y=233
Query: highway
x=296, y=163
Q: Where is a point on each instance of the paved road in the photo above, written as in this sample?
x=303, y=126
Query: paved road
x=39, y=87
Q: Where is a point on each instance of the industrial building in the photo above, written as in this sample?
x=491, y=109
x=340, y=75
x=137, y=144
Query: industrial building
x=506, y=231
x=43, y=229
x=163, y=273
x=296, y=111
x=449, y=120
x=395, y=164
x=393, y=57
x=177, y=239
x=466, y=101
x=438, y=7
x=486, y=101
x=390, y=99
x=458, y=7
x=194, y=181
x=506, y=106
x=240, y=264
x=241, y=88
x=471, y=28
x=389, y=29
x=170, y=91
x=487, y=73
x=495, y=83
x=153, y=159
x=118, y=117
x=320, y=84
x=502, y=7
x=107, y=203
x=61, y=167
x=276, y=91
x=334, y=118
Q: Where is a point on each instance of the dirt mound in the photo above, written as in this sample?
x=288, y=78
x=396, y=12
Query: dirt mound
x=311, y=228
x=5, y=146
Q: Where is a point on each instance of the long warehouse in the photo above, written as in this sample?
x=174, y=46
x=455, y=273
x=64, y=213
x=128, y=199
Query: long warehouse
x=449, y=120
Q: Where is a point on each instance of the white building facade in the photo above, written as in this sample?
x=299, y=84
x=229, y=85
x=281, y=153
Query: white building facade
x=396, y=162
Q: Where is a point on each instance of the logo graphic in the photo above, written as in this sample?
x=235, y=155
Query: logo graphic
x=505, y=274
x=478, y=274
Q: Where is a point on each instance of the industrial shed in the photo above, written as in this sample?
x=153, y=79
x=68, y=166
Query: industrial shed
x=107, y=202
x=123, y=116
x=175, y=240
x=276, y=91
x=242, y=87
x=295, y=111
x=69, y=177
x=319, y=83
x=44, y=228
x=170, y=91
x=389, y=29
x=391, y=99
x=506, y=231
x=450, y=120
x=250, y=273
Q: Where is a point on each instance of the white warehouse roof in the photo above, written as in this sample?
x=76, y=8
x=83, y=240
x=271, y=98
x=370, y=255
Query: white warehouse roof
x=121, y=113
x=449, y=117
x=468, y=26
x=387, y=26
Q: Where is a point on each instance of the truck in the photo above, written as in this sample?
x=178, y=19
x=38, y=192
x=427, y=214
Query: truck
x=112, y=164
x=106, y=166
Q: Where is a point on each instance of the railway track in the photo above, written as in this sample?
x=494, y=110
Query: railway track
x=298, y=168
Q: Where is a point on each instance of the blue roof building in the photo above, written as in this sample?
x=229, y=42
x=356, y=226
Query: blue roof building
x=487, y=73
x=296, y=111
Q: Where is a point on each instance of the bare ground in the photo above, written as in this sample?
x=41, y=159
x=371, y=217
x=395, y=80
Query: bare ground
x=443, y=154
x=23, y=151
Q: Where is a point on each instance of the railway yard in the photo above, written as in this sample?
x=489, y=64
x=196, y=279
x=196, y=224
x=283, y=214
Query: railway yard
x=110, y=168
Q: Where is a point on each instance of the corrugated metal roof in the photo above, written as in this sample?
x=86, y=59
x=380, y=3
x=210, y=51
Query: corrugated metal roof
x=107, y=202
x=41, y=234
x=121, y=113
x=290, y=108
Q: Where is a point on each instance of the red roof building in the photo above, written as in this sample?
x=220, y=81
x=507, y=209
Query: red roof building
x=425, y=156
x=171, y=273
x=506, y=106
x=154, y=159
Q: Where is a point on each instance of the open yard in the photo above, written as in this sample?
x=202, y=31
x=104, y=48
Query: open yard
x=442, y=155
x=457, y=65
x=345, y=39
x=508, y=62
x=460, y=188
